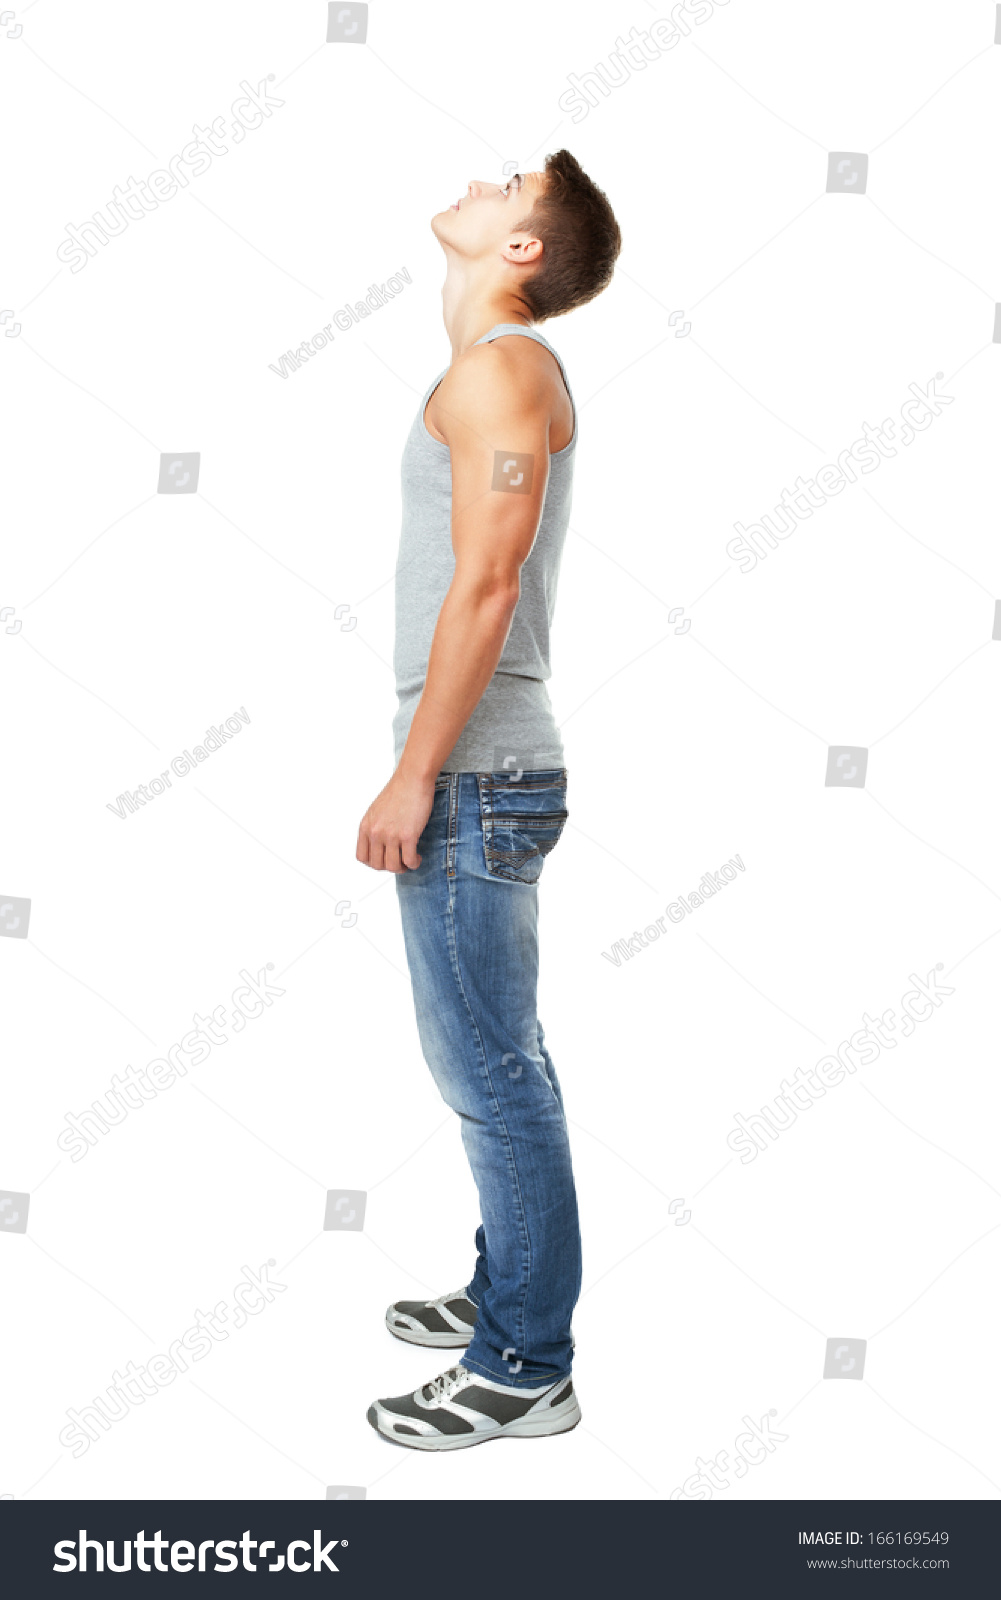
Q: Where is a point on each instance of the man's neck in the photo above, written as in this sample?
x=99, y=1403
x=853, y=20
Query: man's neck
x=473, y=303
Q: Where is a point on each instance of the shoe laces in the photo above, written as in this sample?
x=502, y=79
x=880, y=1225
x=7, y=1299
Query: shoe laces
x=444, y=1387
x=456, y=1294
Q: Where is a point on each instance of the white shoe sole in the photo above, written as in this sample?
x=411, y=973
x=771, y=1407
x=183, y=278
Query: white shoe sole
x=560, y=1419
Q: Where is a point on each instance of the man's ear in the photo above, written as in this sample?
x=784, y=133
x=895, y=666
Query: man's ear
x=522, y=248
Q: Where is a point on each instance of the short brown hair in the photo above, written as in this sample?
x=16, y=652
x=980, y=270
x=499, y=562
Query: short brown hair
x=580, y=240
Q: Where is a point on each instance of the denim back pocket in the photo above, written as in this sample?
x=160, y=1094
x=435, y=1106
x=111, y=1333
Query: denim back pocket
x=522, y=819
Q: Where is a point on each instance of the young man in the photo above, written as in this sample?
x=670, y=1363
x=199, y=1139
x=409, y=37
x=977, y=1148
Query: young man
x=478, y=797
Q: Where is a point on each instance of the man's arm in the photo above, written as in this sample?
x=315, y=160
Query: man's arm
x=487, y=405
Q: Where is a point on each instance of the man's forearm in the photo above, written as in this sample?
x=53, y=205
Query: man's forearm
x=472, y=628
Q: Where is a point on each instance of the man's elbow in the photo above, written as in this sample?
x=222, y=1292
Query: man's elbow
x=495, y=595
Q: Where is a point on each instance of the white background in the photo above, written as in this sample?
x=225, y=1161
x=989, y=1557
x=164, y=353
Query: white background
x=143, y=622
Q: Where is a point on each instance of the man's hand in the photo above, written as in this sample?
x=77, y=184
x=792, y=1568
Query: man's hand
x=393, y=823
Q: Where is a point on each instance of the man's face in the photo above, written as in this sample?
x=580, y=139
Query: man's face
x=482, y=220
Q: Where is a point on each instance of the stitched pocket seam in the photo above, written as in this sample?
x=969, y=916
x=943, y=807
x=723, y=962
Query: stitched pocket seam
x=492, y=822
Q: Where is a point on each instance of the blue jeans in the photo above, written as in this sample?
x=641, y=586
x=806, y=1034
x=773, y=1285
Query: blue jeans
x=470, y=925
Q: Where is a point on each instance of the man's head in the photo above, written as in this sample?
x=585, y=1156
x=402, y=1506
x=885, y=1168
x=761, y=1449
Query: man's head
x=550, y=237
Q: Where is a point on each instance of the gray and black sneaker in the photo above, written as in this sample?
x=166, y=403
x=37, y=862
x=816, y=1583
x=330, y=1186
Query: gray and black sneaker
x=461, y=1408
x=444, y=1324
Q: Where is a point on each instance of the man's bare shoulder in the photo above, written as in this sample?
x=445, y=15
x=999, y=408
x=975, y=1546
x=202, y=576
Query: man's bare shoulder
x=509, y=374
x=490, y=383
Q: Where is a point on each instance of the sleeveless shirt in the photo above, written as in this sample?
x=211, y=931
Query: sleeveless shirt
x=512, y=726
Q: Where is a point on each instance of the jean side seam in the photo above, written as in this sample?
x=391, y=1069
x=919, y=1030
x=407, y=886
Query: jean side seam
x=509, y=1149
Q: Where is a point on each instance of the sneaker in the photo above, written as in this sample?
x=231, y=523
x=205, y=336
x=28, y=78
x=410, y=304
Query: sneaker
x=461, y=1408
x=445, y=1324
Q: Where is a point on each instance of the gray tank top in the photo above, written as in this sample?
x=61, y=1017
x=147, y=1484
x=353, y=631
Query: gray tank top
x=512, y=727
